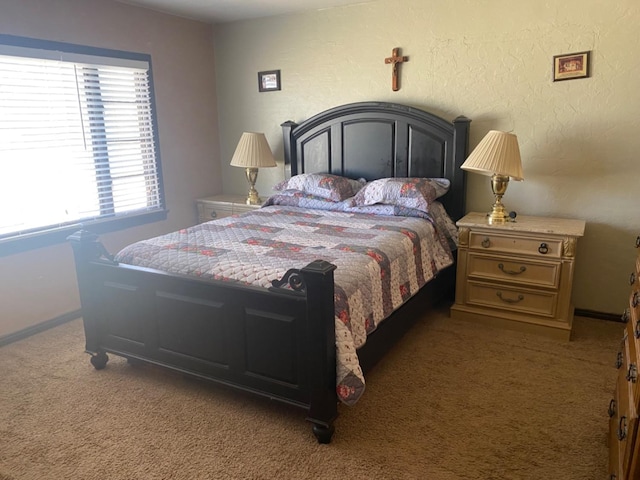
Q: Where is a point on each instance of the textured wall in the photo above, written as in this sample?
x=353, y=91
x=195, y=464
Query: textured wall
x=484, y=59
x=41, y=284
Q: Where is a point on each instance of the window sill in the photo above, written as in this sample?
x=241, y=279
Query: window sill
x=24, y=243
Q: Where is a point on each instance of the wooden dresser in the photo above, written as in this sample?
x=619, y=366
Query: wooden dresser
x=624, y=432
x=519, y=274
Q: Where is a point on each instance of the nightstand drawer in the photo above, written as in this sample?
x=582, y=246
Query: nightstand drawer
x=208, y=212
x=513, y=299
x=220, y=206
x=545, y=274
x=523, y=245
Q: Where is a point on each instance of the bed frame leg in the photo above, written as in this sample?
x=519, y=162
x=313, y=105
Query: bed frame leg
x=323, y=433
x=99, y=360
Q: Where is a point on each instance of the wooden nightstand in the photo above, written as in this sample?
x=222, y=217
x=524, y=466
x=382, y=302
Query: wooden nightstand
x=220, y=206
x=517, y=275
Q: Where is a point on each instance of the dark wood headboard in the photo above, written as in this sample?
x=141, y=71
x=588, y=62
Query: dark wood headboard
x=377, y=140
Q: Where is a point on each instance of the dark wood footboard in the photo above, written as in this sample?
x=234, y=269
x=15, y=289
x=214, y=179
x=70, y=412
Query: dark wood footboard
x=278, y=343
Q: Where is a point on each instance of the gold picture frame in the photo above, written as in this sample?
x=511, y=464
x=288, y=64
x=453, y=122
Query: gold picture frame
x=570, y=66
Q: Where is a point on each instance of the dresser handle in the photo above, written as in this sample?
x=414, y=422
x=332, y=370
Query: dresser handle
x=632, y=373
x=510, y=300
x=622, y=428
x=625, y=315
x=612, y=408
x=486, y=243
x=632, y=278
x=543, y=248
x=213, y=214
x=619, y=360
x=512, y=272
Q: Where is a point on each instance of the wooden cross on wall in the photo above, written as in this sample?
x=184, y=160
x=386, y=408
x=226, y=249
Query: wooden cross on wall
x=395, y=59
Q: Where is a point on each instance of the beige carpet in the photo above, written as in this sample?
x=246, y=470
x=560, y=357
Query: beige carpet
x=453, y=400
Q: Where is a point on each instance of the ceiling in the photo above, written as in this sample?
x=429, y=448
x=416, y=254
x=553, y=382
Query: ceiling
x=223, y=11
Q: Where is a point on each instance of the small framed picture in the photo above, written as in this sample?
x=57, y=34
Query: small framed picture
x=571, y=65
x=269, y=81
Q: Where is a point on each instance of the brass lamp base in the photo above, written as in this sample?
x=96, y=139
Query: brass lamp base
x=498, y=215
x=252, y=175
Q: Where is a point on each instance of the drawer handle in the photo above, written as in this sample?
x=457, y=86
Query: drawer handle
x=632, y=373
x=213, y=214
x=625, y=315
x=510, y=300
x=622, y=428
x=512, y=272
x=543, y=248
x=612, y=408
x=486, y=243
x=619, y=360
x=632, y=278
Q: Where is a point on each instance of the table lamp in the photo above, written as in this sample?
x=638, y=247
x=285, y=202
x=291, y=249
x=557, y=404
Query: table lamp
x=253, y=152
x=497, y=156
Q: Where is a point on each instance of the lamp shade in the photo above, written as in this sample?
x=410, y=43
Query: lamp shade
x=253, y=151
x=497, y=153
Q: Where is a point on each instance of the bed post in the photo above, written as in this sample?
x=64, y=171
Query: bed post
x=289, y=149
x=86, y=249
x=321, y=348
x=458, y=176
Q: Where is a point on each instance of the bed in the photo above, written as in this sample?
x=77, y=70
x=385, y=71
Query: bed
x=279, y=339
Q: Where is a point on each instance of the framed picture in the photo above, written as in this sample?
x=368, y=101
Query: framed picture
x=571, y=65
x=269, y=81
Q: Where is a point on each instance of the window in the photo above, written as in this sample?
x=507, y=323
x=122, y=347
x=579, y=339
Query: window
x=78, y=141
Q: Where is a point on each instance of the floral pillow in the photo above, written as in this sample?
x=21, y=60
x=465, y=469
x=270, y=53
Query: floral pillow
x=415, y=193
x=324, y=185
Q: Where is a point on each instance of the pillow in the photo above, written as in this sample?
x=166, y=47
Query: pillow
x=324, y=185
x=296, y=198
x=402, y=192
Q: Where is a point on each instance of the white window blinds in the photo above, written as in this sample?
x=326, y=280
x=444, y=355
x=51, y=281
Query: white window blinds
x=77, y=140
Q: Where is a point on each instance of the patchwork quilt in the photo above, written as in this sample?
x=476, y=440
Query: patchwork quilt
x=382, y=260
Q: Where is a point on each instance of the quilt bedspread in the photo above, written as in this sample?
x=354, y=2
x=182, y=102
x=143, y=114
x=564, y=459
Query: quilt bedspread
x=381, y=262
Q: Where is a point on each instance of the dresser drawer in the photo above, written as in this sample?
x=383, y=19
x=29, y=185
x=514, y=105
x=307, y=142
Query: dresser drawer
x=626, y=427
x=630, y=369
x=634, y=280
x=523, y=245
x=523, y=272
x=533, y=302
x=634, y=306
x=615, y=456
